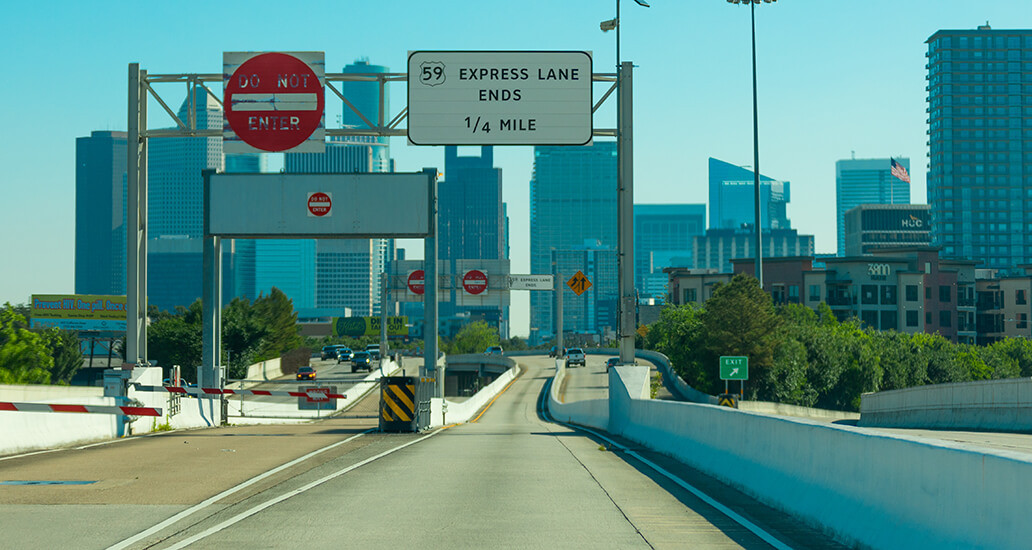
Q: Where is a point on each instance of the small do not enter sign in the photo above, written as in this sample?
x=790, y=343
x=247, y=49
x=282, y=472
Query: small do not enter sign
x=415, y=282
x=319, y=204
x=273, y=101
x=474, y=282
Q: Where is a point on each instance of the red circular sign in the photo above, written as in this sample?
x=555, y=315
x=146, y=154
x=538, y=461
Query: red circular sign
x=474, y=282
x=319, y=204
x=274, y=101
x=415, y=281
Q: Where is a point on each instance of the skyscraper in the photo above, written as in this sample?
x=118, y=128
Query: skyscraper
x=731, y=198
x=175, y=210
x=470, y=226
x=663, y=238
x=980, y=142
x=868, y=181
x=572, y=201
x=100, y=213
x=333, y=274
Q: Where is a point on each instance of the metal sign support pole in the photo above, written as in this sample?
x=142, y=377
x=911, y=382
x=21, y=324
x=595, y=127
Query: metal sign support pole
x=430, y=290
x=383, y=319
x=136, y=219
x=625, y=214
x=559, y=315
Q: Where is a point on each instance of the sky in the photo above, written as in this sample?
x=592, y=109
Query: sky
x=834, y=79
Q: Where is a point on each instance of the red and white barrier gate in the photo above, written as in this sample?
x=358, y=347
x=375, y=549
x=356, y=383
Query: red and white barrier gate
x=97, y=409
x=315, y=394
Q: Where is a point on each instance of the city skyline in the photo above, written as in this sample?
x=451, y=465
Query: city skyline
x=691, y=93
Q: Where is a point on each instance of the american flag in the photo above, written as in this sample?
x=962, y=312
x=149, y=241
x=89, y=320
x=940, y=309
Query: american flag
x=899, y=171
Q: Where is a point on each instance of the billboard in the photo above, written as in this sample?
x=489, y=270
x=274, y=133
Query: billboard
x=78, y=312
x=368, y=326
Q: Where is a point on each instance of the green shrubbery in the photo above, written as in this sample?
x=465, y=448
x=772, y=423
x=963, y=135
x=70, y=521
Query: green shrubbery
x=809, y=358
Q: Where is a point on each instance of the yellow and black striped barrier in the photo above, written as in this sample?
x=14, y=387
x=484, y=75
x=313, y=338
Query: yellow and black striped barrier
x=405, y=403
x=728, y=400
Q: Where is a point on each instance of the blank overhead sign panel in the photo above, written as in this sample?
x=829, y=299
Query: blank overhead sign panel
x=499, y=98
x=317, y=205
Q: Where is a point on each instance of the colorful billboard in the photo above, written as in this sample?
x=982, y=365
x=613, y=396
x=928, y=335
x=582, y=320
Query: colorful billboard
x=368, y=326
x=78, y=312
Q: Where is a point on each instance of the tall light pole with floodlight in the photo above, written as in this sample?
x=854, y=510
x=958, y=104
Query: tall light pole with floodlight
x=624, y=197
x=756, y=140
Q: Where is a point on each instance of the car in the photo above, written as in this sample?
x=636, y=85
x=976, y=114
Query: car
x=493, y=350
x=361, y=359
x=554, y=352
x=574, y=356
x=329, y=352
x=305, y=373
x=344, y=353
x=612, y=362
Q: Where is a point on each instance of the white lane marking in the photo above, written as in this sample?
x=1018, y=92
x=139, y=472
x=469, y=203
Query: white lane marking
x=197, y=507
x=734, y=516
x=244, y=515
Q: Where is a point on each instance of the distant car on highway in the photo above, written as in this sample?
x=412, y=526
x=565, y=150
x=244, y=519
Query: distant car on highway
x=574, y=356
x=493, y=350
x=361, y=360
x=305, y=373
x=554, y=352
x=329, y=352
x=344, y=353
x=612, y=362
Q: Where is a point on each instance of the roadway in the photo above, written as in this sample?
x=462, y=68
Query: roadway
x=508, y=479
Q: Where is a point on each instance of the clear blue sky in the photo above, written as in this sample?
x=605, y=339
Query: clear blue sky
x=834, y=77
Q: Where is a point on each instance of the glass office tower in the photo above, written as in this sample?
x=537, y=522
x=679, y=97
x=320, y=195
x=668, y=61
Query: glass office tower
x=100, y=213
x=867, y=181
x=731, y=198
x=663, y=238
x=980, y=144
x=572, y=202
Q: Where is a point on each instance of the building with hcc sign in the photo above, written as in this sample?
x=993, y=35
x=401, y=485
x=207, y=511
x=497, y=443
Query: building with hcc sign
x=871, y=227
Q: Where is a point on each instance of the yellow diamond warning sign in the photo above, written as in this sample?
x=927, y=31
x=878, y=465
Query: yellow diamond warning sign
x=579, y=284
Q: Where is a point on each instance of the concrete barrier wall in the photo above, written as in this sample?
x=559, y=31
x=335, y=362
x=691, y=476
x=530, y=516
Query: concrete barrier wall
x=25, y=431
x=265, y=370
x=873, y=489
x=593, y=413
x=465, y=410
x=998, y=405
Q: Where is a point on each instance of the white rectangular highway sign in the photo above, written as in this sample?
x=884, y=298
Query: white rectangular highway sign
x=499, y=98
x=531, y=282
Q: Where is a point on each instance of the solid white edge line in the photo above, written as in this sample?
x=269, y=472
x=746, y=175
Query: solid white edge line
x=734, y=516
x=212, y=500
x=244, y=515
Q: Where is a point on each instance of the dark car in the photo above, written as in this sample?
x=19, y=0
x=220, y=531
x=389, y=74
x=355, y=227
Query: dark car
x=361, y=360
x=344, y=353
x=612, y=362
x=305, y=373
x=493, y=350
x=329, y=352
x=554, y=352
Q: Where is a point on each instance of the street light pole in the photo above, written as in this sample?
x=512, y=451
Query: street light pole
x=625, y=197
x=756, y=141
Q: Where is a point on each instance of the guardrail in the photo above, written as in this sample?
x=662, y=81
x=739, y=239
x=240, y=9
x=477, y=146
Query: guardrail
x=997, y=405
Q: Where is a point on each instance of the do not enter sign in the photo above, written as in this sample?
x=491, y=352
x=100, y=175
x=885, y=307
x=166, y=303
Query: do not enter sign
x=273, y=102
x=319, y=204
x=474, y=282
x=415, y=282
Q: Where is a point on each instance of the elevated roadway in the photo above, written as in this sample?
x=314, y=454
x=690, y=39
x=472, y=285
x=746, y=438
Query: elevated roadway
x=510, y=478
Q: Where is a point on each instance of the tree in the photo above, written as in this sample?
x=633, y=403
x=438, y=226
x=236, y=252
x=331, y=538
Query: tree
x=24, y=356
x=739, y=319
x=277, y=313
x=677, y=335
x=474, y=338
x=66, y=353
x=174, y=341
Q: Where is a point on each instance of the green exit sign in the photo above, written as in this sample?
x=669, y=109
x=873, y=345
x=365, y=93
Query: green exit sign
x=734, y=368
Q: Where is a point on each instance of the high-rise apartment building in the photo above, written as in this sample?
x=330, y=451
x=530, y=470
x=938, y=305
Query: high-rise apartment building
x=663, y=238
x=100, y=213
x=980, y=145
x=572, y=201
x=868, y=181
x=732, y=199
